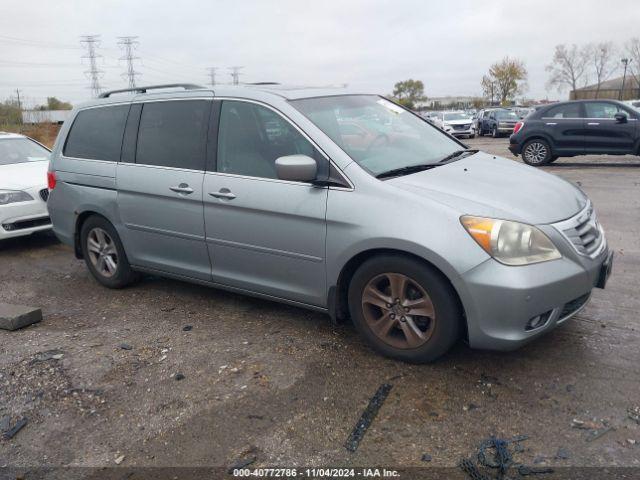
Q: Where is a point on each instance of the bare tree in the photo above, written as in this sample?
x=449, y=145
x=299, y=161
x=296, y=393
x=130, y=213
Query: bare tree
x=488, y=88
x=603, y=62
x=568, y=67
x=633, y=52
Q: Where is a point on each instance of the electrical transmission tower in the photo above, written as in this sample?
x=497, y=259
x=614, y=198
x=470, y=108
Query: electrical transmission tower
x=235, y=74
x=212, y=75
x=91, y=43
x=129, y=44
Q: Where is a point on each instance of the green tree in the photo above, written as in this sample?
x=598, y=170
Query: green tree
x=409, y=92
x=54, y=104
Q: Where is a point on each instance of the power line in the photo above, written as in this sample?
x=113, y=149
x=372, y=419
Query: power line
x=91, y=43
x=235, y=74
x=128, y=44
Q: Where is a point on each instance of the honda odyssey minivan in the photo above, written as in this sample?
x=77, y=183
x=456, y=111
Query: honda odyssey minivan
x=257, y=189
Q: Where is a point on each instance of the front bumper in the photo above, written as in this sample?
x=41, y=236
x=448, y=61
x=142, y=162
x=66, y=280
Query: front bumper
x=460, y=133
x=24, y=218
x=503, y=300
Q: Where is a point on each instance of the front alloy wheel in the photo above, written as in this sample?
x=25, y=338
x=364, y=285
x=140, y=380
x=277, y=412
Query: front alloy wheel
x=398, y=310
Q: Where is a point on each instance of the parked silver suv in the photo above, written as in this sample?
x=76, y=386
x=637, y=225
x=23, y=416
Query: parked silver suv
x=273, y=192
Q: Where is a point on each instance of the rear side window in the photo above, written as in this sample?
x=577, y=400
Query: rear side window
x=569, y=110
x=96, y=133
x=173, y=134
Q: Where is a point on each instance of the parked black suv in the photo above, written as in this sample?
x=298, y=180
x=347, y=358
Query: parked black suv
x=496, y=121
x=579, y=127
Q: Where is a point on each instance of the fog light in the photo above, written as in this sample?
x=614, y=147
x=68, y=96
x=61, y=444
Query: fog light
x=537, y=321
x=7, y=226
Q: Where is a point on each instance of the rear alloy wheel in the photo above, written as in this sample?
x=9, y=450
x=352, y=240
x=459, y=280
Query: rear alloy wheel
x=536, y=153
x=404, y=309
x=104, y=254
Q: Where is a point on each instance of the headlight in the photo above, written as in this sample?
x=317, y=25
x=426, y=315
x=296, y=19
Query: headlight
x=9, y=196
x=511, y=243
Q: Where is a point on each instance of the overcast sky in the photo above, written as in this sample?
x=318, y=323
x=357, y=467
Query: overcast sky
x=367, y=44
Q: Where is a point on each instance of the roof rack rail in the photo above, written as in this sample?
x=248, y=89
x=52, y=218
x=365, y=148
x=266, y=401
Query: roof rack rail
x=186, y=86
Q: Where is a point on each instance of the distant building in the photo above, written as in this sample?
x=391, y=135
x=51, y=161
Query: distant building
x=608, y=89
x=45, y=116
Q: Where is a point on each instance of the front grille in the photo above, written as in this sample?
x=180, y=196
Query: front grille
x=24, y=224
x=573, y=306
x=44, y=194
x=584, y=232
x=461, y=127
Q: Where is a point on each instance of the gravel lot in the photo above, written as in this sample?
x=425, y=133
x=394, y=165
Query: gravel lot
x=98, y=378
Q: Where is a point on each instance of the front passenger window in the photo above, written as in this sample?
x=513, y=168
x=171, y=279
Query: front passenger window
x=601, y=110
x=252, y=137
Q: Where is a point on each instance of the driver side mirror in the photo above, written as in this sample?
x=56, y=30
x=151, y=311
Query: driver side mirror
x=296, y=168
x=620, y=117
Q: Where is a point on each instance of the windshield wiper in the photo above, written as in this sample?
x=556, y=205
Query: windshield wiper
x=396, y=172
x=458, y=154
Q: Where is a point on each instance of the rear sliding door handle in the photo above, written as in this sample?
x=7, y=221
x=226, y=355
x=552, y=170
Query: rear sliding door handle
x=223, y=193
x=593, y=123
x=182, y=188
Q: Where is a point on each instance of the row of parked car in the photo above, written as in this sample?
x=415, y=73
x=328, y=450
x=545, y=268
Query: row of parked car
x=467, y=124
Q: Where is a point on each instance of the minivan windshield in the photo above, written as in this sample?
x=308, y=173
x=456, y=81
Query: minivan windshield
x=388, y=137
x=21, y=150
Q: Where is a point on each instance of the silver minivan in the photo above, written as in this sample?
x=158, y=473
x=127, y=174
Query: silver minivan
x=344, y=203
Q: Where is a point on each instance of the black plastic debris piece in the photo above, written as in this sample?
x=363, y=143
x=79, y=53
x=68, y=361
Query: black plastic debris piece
x=426, y=457
x=243, y=462
x=187, y=328
x=125, y=346
x=367, y=417
x=179, y=376
x=9, y=434
x=500, y=458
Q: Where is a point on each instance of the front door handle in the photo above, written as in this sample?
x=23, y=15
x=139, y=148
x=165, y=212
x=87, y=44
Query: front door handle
x=223, y=193
x=593, y=123
x=182, y=188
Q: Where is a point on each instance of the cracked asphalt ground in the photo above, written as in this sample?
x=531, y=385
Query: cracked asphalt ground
x=279, y=383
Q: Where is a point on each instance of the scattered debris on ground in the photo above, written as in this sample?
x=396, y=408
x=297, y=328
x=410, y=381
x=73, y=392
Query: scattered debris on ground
x=119, y=460
x=179, y=376
x=426, y=457
x=187, y=328
x=125, y=346
x=494, y=460
x=12, y=432
x=368, y=416
x=634, y=414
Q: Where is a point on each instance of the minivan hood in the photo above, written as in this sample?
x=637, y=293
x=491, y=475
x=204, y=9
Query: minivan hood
x=489, y=186
x=18, y=176
x=465, y=121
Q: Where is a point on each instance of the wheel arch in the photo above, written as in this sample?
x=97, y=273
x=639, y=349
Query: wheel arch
x=540, y=136
x=338, y=293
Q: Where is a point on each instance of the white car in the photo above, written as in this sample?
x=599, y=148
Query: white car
x=23, y=186
x=458, y=124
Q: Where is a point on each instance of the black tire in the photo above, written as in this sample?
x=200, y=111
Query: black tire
x=447, y=319
x=537, y=152
x=553, y=158
x=494, y=132
x=472, y=136
x=122, y=275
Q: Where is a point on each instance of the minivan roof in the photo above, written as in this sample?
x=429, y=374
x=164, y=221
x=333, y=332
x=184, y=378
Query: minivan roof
x=248, y=91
